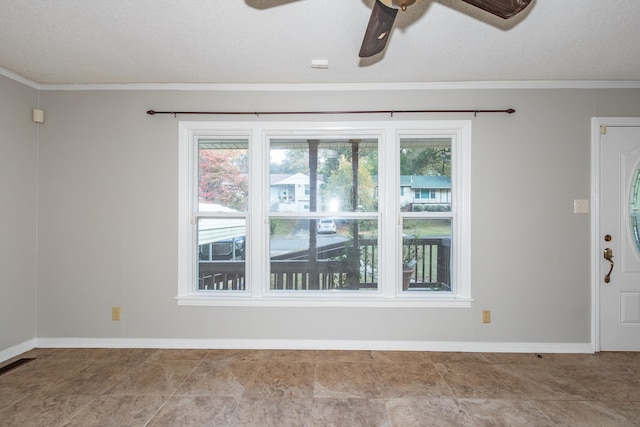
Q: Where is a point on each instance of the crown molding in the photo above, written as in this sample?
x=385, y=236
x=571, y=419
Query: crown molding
x=338, y=87
x=18, y=78
x=304, y=87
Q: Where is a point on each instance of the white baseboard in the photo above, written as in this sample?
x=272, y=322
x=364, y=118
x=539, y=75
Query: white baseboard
x=17, y=350
x=482, y=347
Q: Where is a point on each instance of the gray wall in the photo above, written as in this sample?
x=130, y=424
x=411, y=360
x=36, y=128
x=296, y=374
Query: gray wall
x=108, y=217
x=18, y=198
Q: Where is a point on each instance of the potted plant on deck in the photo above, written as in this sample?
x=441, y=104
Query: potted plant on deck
x=408, y=268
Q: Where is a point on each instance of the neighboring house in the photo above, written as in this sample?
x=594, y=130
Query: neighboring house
x=419, y=192
x=291, y=192
x=220, y=238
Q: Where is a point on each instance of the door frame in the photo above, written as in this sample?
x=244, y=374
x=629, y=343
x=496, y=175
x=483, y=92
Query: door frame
x=596, y=265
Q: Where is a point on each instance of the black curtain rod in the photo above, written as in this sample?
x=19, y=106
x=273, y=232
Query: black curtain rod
x=267, y=113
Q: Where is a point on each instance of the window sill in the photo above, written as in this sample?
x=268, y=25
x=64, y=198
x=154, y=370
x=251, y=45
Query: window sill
x=283, y=301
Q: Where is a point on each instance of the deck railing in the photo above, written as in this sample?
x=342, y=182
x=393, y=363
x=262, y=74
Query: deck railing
x=332, y=270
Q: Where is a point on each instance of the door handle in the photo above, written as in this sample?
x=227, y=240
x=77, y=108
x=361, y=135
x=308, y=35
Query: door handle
x=608, y=255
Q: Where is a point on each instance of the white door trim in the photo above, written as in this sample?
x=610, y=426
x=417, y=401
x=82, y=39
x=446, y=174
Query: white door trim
x=596, y=124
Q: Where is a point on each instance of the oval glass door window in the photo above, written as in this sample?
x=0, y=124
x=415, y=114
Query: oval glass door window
x=634, y=208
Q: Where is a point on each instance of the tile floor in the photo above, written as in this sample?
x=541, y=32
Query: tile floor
x=147, y=387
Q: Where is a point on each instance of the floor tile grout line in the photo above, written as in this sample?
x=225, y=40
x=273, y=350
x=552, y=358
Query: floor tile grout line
x=541, y=410
x=173, y=393
x=70, y=417
x=453, y=395
x=378, y=386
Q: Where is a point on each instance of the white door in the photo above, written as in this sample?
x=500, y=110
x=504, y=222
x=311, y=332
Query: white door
x=618, y=236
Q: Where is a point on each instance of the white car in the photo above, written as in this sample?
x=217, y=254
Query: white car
x=326, y=226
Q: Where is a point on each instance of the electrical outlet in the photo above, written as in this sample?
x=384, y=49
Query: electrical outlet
x=115, y=313
x=486, y=316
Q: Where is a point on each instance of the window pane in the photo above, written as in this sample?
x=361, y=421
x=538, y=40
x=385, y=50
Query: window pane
x=323, y=175
x=425, y=169
x=223, y=174
x=221, y=254
x=338, y=260
x=634, y=209
x=426, y=254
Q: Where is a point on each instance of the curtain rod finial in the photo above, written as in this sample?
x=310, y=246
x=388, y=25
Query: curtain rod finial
x=151, y=112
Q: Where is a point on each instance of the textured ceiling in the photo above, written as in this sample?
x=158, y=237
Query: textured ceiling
x=274, y=41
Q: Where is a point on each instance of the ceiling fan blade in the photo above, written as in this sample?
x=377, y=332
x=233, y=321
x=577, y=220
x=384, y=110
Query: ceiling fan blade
x=378, y=29
x=503, y=8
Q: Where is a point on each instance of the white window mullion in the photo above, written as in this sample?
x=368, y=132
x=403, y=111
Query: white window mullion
x=389, y=163
x=258, y=272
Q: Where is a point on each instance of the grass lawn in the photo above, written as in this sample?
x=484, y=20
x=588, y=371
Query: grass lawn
x=426, y=227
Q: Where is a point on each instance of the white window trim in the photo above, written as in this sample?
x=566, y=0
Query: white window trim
x=389, y=293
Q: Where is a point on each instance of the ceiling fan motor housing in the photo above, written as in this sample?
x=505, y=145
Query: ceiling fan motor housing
x=398, y=4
